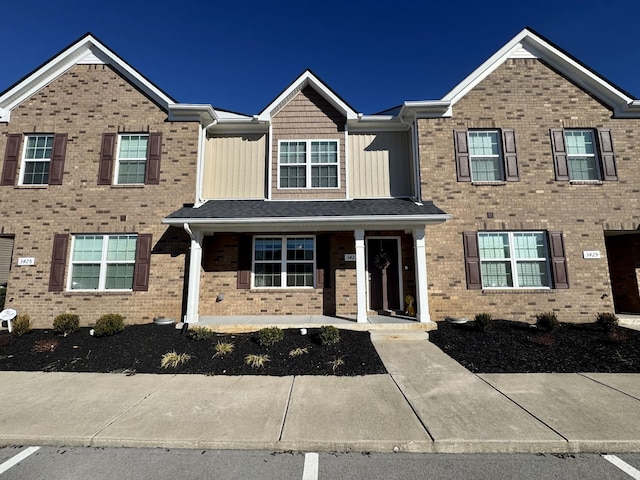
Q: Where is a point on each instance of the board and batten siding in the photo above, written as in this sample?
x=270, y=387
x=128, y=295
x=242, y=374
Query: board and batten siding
x=380, y=165
x=234, y=167
x=6, y=250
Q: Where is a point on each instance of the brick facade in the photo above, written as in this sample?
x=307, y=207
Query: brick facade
x=84, y=103
x=531, y=98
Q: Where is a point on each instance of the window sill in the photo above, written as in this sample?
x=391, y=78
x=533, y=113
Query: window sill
x=489, y=184
x=282, y=289
x=586, y=182
x=101, y=292
x=516, y=290
x=26, y=187
x=131, y=185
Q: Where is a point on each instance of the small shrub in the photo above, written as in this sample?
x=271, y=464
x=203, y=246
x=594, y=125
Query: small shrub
x=296, y=352
x=329, y=335
x=222, y=348
x=173, y=359
x=201, y=333
x=46, y=345
x=21, y=324
x=482, y=322
x=547, y=321
x=607, y=321
x=108, y=324
x=270, y=336
x=335, y=363
x=66, y=323
x=256, y=361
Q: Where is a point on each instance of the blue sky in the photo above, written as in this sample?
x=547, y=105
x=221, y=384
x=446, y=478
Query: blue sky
x=240, y=55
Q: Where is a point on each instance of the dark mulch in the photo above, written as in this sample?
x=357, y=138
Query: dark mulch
x=514, y=347
x=139, y=349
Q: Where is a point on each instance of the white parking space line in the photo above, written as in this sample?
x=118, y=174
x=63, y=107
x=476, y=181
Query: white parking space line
x=624, y=466
x=310, y=466
x=17, y=458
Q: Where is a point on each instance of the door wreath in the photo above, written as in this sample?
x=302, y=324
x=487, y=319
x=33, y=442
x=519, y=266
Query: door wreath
x=382, y=260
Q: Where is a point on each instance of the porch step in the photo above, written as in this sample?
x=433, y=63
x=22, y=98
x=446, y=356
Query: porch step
x=399, y=335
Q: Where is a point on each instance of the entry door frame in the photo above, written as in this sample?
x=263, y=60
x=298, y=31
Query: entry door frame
x=398, y=240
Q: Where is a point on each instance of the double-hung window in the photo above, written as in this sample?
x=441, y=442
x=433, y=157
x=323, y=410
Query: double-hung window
x=308, y=164
x=102, y=262
x=36, y=160
x=514, y=260
x=132, y=158
x=485, y=156
x=283, y=262
x=582, y=161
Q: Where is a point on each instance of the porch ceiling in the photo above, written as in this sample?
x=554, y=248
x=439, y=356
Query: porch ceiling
x=256, y=215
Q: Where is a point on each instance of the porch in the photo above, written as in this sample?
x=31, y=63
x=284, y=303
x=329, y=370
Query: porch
x=250, y=323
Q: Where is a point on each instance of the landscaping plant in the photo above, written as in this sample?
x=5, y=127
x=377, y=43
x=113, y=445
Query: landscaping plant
x=66, y=323
x=547, y=321
x=21, y=324
x=173, y=359
x=329, y=335
x=335, y=363
x=201, y=333
x=270, y=336
x=222, y=348
x=296, y=352
x=608, y=321
x=256, y=361
x=482, y=322
x=108, y=324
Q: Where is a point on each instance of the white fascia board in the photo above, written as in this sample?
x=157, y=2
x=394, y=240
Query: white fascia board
x=307, y=78
x=380, y=123
x=189, y=112
x=539, y=48
x=305, y=223
x=425, y=109
x=67, y=59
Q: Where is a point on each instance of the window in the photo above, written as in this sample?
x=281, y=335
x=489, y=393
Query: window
x=513, y=260
x=36, y=160
x=103, y=262
x=583, y=155
x=486, y=155
x=132, y=159
x=283, y=262
x=308, y=164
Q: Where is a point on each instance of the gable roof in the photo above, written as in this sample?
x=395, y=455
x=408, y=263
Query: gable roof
x=87, y=50
x=307, y=78
x=529, y=44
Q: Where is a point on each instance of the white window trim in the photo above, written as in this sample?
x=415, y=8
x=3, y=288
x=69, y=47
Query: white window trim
x=596, y=157
x=24, y=161
x=116, y=169
x=308, y=163
x=514, y=261
x=499, y=156
x=283, y=262
x=103, y=263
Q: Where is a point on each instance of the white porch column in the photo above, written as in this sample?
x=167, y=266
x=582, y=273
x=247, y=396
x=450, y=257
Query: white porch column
x=421, y=276
x=195, y=263
x=361, y=278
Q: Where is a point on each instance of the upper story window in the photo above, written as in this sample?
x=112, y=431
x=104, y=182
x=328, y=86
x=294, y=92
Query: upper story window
x=132, y=158
x=308, y=164
x=283, y=262
x=583, y=154
x=36, y=160
x=486, y=155
x=102, y=262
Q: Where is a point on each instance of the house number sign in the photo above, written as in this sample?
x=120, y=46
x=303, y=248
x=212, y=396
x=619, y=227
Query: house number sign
x=26, y=261
x=349, y=257
x=591, y=254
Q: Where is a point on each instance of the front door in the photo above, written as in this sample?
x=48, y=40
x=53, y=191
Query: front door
x=384, y=277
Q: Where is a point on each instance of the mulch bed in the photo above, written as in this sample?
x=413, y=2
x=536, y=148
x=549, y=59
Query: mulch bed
x=139, y=349
x=514, y=347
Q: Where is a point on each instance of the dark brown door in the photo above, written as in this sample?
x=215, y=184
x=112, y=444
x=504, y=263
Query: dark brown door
x=384, y=284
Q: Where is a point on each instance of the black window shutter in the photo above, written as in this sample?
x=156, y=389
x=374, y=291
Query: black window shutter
x=559, y=154
x=472, y=260
x=56, y=165
x=11, y=159
x=607, y=157
x=558, y=260
x=105, y=168
x=152, y=172
x=143, y=263
x=462, y=155
x=323, y=276
x=58, y=262
x=510, y=155
x=244, y=262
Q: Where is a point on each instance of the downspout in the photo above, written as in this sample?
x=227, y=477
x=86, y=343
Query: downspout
x=346, y=162
x=202, y=142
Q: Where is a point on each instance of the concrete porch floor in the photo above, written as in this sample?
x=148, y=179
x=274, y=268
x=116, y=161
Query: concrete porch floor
x=250, y=323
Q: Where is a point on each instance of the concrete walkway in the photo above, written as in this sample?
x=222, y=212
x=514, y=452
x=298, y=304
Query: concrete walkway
x=427, y=403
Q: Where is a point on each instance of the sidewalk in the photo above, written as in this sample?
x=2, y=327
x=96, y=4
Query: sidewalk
x=427, y=403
